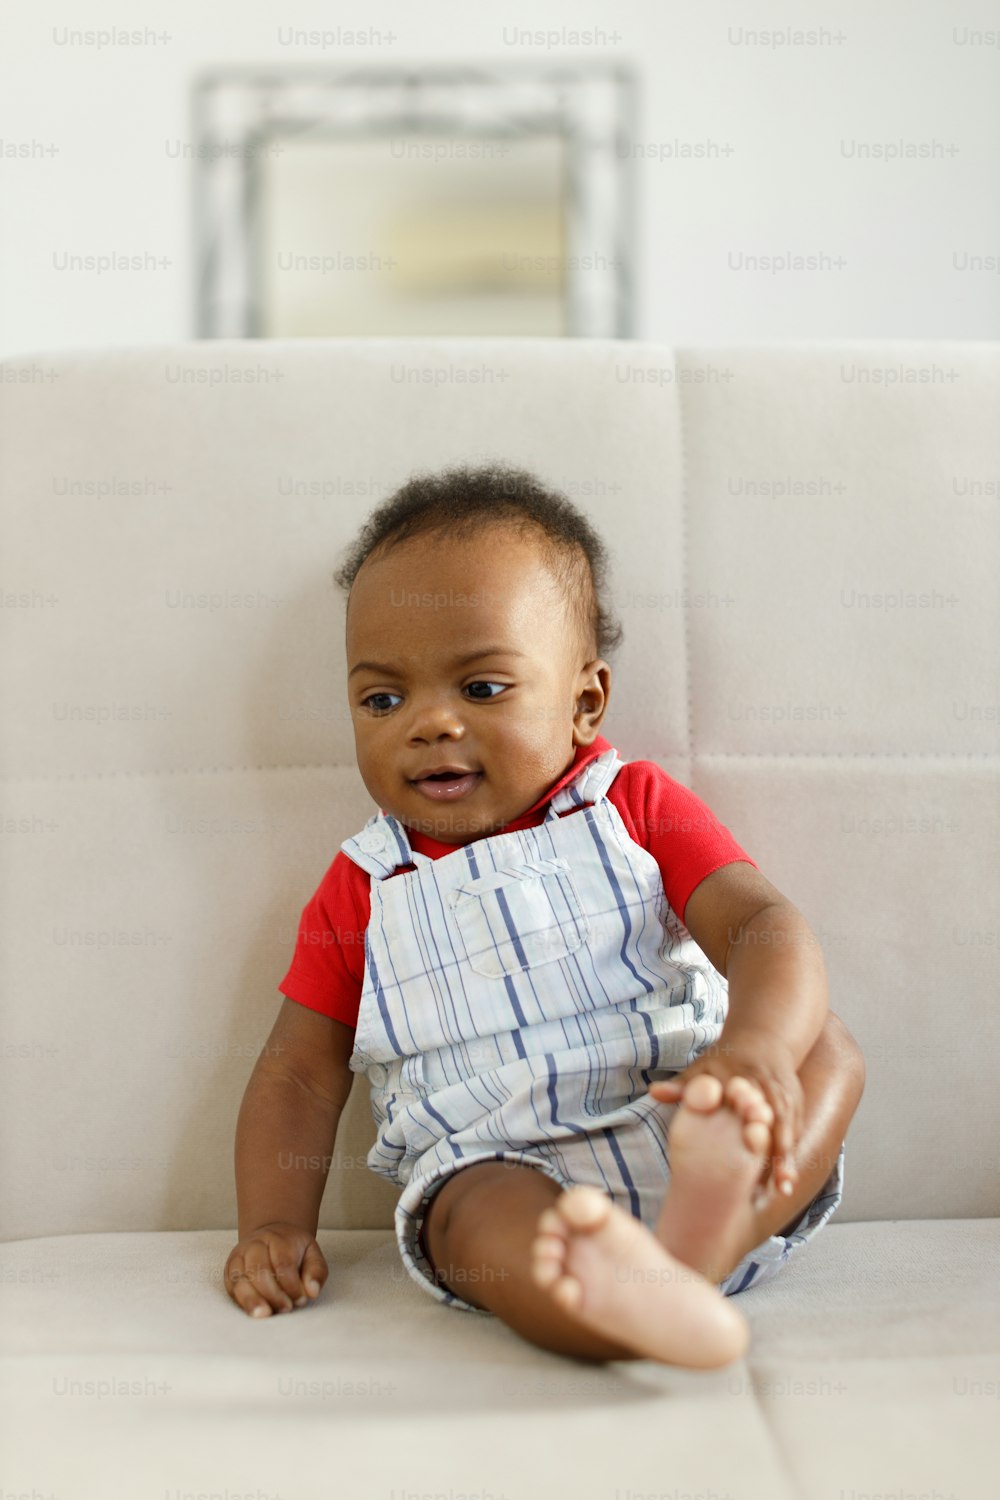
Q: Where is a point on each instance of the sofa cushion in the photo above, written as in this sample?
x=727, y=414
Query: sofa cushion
x=873, y=1368
x=179, y=758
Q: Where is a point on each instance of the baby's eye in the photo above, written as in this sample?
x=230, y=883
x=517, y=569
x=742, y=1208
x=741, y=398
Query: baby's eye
x=374, y=708
x=367, y=702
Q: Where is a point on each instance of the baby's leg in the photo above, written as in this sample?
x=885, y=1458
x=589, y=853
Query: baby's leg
x=707, y=1220
x=479, y=1232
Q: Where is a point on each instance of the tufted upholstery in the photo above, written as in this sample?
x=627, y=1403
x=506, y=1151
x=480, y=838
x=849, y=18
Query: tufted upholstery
x=804, y=542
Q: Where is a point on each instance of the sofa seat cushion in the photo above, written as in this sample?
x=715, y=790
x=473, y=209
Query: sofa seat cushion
x=874, y=1368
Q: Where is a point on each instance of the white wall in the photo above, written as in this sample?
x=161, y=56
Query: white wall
x=98, y=178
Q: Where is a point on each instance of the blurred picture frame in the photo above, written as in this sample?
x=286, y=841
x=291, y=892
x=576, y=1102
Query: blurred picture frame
x=494, y=199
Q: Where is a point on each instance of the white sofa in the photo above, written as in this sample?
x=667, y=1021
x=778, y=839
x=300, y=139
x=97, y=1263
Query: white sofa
x=805, y=547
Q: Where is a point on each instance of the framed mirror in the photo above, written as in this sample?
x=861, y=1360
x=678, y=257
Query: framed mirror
x=448, y=201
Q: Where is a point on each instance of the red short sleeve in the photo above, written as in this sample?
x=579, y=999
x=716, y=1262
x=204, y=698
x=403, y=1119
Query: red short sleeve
x=328, y=967
x=681, y=832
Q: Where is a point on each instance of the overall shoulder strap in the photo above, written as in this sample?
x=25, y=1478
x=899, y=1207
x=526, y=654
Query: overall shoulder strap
x=381, y=847
x=591, y=785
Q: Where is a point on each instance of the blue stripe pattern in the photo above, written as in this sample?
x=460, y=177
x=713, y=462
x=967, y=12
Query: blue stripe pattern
x=519, y=996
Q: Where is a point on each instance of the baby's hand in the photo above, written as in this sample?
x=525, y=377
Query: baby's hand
x=774, y=1095
x=262, y=1272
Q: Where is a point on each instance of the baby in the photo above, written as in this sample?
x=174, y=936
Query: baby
x=602, y=1065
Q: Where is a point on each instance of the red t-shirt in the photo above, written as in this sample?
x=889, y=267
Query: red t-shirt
x=685, y=838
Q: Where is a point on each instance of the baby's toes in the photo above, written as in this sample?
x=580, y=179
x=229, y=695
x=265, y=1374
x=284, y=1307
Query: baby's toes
x=552, y=1223
x=756, y=1137
x=548, y=1248
x=548, y=1256
x=749, y=1101
x=582, y=1207
x=704, y=1092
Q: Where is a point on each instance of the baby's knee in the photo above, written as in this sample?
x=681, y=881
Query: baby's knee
x=843, y=1051
x=467, y=1198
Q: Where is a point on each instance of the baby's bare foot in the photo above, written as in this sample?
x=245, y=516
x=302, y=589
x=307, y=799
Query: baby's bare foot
x=716, y=1159
x=603, y=1267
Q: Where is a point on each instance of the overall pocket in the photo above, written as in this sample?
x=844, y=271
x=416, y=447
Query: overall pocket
x=519, y=917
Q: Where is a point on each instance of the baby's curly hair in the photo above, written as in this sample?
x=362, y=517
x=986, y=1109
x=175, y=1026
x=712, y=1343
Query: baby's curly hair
x=462, y=501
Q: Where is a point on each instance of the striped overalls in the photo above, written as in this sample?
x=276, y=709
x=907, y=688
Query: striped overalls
x=519, y=996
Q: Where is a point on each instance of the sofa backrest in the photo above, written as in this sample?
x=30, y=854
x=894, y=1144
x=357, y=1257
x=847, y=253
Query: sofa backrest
x=804, y=545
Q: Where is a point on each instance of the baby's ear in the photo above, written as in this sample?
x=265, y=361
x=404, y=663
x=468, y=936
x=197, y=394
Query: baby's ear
x=592, y=699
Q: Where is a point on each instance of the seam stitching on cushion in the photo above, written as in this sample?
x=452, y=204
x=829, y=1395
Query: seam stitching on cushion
x=685, y=608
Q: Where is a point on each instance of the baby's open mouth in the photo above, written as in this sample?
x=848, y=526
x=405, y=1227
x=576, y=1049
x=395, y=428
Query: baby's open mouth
x=448, y=784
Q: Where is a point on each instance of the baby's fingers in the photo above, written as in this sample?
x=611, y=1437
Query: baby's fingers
x=261, y=1273
x=785, y=1139
x=285, y=1261
x=314, y=1270
x=240, y=1287
x=667, y=1089
x=701, y=1091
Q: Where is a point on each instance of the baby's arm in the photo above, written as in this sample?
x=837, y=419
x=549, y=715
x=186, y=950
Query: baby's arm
x=778, y=994
x=285, y=1135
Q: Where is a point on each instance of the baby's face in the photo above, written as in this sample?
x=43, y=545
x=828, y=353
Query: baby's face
x=461, y=654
